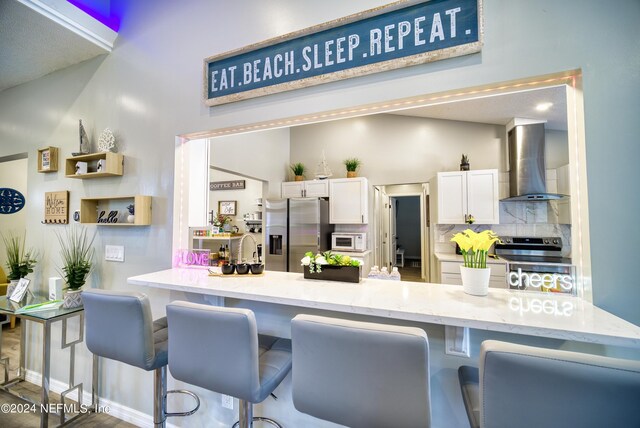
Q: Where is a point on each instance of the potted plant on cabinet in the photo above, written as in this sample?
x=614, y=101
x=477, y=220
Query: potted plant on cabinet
x=20, y=261
x=352, y=165
x=77, y=259
x=298, y=171
x=474, y=247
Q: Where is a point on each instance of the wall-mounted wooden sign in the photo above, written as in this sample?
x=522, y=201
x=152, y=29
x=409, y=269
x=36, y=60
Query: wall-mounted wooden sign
x=56, y=207
x=227, y=185
x=398, y=35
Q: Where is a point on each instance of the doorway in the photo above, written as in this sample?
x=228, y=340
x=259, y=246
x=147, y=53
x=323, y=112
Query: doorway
x=405, y=237
x=402, y=229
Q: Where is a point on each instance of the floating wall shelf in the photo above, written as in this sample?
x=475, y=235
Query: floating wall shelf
x=90, y=209
x=113, y=165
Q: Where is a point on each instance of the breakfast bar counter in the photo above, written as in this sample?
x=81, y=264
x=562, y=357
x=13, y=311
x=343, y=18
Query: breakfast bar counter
x=535, y=314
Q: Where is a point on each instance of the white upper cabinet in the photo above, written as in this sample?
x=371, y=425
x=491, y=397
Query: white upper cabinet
x=316, y=189
x=348, y=203
x=468, y=193
x=305, y=189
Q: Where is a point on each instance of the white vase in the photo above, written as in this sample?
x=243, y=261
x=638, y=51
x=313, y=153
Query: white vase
x=72, y=299
x=475, y=281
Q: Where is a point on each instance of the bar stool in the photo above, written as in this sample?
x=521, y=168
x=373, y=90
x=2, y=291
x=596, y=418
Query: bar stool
x=359, y=374
x=219, y=349
x=526, y=386
x=119, y=326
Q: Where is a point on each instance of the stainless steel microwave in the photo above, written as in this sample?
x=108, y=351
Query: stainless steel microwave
x=348, y=241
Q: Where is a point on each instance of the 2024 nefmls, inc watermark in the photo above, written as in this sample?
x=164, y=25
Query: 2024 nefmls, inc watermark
x=17, y=408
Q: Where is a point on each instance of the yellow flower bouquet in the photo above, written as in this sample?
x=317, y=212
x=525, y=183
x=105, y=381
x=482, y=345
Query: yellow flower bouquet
x=475, y=246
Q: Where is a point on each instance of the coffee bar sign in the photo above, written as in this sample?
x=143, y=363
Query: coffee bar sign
x=398, y=35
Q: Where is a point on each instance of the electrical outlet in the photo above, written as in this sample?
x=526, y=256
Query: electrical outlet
x=227, y=402
x=114, y=253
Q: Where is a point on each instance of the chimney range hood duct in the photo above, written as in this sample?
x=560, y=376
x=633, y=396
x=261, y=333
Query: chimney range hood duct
x=527, y=180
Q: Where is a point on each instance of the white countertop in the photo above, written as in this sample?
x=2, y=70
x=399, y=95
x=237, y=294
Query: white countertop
x=536, y=314
x=452, y=257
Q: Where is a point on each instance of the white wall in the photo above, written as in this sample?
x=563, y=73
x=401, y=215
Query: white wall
x=13, y=175
x=262, y=155
x=398, y=149
x=148, y=90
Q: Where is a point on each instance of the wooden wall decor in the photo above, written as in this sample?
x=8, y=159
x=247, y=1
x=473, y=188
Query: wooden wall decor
x=56, y=207
x=400, y=34
x=48, y=159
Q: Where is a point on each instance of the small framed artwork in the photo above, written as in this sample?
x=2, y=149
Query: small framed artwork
x=20, y=290
x=48, y=159
x=227, y=207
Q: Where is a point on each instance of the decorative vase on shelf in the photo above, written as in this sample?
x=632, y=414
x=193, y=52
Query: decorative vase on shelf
x=299, y=178
x=72, y=299
x=475, y=281
x=226, y=227
x=352, y=174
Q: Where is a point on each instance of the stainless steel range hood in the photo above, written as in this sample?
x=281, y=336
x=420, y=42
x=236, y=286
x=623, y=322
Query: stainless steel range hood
x=527, y=180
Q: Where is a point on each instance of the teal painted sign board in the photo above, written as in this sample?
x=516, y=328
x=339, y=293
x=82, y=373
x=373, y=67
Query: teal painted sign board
x=397, y=35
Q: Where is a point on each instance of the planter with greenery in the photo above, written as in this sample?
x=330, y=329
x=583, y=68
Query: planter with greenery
x=328, y=266
x=298, y=171
x=76, y=249
x=352, y=165
x=20, y=261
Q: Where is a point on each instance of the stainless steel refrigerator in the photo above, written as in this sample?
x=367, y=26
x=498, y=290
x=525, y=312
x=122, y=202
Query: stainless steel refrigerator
x=294, y=227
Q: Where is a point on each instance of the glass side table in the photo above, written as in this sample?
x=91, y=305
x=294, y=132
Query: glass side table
x=45, y=318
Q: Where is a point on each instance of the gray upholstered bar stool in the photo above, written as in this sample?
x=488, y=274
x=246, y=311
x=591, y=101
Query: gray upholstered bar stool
x=219, y=349
x=524, y=386
x=119, y=326
x=359, y=374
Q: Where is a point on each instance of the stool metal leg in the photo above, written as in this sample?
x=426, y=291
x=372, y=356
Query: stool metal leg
x=246, y=414
x=247, y=419
x=159, y=396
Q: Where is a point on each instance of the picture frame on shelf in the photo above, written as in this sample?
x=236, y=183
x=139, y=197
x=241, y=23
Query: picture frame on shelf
x=227, y=207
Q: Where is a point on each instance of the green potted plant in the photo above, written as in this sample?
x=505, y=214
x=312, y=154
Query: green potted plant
x=330, y=267
x=298, y=171
x=76, y=249
x=222, y=222
x=20, y=261
x=352, y=165
x=464, y=163
x=474, y=271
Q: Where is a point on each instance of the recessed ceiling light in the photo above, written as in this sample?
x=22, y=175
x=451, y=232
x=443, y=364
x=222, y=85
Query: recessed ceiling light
x=544, y=106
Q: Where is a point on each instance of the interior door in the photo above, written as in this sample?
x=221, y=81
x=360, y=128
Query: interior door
x=393, y=244
x=386, y=238
x=377, y=226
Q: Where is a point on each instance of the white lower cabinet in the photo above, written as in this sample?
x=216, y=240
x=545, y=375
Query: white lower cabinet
x=450, y=274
